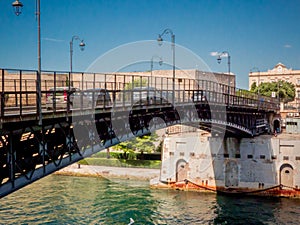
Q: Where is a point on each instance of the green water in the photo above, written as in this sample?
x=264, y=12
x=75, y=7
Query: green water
x=81, y=200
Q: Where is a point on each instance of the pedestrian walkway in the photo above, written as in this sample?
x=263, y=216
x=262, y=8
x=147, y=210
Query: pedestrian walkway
x=109, y=172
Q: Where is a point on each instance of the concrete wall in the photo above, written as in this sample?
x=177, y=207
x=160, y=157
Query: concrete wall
x=293, y=125
x=259, y=162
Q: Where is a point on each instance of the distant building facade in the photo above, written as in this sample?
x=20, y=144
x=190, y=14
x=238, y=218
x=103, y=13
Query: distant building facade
x=281, y=72
x=192, y=74
x=293, y=125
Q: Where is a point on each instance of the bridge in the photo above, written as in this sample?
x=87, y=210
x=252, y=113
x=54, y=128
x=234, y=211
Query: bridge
x=69, y=116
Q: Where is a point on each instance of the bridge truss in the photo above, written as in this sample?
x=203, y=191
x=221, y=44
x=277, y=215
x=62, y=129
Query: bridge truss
x=30, y=151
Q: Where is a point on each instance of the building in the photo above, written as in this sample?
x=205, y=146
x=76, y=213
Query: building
x=184, y=79
x=293, y=125
x=281, y=72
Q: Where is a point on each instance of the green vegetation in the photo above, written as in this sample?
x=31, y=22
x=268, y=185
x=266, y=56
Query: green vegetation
x=139, y=152
x=138, y=144
x=151, y=164
x=139, y=82
x=6, y=97
x=244, y=93
x=143, y=144
x=285, y=89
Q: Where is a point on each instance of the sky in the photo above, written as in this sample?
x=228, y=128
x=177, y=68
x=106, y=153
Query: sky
x=256, y=33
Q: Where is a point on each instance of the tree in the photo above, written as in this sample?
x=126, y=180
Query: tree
x=138, y=82
x=127, y=148
x=146, y=143
x=253, y=87
x=286, y=90
x=139, y=144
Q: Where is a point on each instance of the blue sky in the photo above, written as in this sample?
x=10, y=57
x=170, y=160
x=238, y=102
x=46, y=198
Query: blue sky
x=256, y=33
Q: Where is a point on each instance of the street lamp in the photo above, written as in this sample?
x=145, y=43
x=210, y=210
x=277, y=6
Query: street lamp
x=81, y=45
x=151, y=67
x=219, y=59
x=160, y=40
x=258, y=80
x=278, y=91
x=18, y=6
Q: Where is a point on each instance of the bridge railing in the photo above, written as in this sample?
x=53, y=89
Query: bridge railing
x=19, y=90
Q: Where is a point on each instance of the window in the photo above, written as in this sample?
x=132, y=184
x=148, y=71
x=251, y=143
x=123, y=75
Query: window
x=171, y=153
x=285, y=158
x=279, y=69
x=181, y=153
x=250, y=156
x=298, y=81
x=226, y=155
x=262, y=156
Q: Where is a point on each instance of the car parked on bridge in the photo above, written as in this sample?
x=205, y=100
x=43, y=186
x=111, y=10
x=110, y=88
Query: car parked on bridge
x=56, y=98
x=97, y=98
x=199, y=96
x=150, y=96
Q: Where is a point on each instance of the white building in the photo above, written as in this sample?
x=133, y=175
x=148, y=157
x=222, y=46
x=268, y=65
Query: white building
x=264, y=165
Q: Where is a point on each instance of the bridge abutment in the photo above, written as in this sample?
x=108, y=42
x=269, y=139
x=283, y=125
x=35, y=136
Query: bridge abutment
x=195, y=161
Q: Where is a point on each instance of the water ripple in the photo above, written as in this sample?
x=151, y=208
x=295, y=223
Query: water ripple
x=81, y=200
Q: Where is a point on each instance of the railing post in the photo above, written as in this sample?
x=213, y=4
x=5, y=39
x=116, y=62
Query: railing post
x=26, y=90
x=54, y=94
x=93, y=94
x=2, y=96
x=68, y=92
x=11, y=160
x=20, y=85
x=124, y=92
x=39, y=97
x=183, y=90
x=115, y=90
x=16, y=95
x=131, y=92
x=105, y=91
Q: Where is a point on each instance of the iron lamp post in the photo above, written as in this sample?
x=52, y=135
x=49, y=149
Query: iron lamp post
x=258, y=82
x=151, y=66
x=258, y=79
x=18, y=6
x=219, y=59
x=81, y=45
x=160, y=40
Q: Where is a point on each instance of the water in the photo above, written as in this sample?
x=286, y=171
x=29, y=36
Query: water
x=83, y=200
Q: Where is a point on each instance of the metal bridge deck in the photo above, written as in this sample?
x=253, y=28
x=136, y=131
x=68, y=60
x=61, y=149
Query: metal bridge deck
x=71, y=129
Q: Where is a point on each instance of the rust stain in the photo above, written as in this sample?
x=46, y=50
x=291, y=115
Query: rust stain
x=277, y=191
